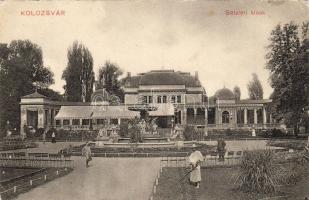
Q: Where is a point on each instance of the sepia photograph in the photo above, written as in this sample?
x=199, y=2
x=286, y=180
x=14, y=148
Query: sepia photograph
x=154, y=100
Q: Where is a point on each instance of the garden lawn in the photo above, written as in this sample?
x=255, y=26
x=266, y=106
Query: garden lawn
x=218, y=184
x=289, y=144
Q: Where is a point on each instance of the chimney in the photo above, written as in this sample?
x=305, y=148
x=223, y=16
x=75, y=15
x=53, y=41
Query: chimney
x=128, y=79
x=196, y=75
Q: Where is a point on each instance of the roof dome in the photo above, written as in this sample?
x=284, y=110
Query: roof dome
x=224, y=93
x=162, y=77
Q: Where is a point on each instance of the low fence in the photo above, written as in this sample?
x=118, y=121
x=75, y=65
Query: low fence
x=35, y=160
x=31, y=182
x=138, y=155
x=231, y=158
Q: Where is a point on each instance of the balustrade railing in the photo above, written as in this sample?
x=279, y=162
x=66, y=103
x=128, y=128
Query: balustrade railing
x=35, y=160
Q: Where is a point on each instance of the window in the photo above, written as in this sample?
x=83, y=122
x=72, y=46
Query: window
x=85, y=122
x=164, y=99
x=66, y=122
x=179, y=99
x=100, y=121
x=114, y=121
x=150, y=99
x=159, y=99
x=75, y=122
x=225, y=117
x=173, y=99
x=58, y=122
x=144, y=99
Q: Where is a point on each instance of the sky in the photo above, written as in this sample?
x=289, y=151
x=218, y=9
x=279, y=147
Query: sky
x=188, y=35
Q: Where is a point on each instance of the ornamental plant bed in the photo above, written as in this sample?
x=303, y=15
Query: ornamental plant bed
x=218, y=184
x=292, y=181
x=159, y=151
x=289, y=144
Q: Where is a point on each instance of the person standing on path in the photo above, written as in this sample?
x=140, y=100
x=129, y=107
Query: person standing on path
x=221, y=149
x=195, y=160
x=44, y=135
x=53, y=137
x=86, y=151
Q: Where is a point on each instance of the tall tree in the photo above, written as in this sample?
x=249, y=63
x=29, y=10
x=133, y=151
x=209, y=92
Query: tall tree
x=21, y=65
x=255, y=89
x=109, y=75
x=237, y=92
x=287, y=61
x=79, y=75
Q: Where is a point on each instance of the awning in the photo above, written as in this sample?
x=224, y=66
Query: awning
x=164, y=109
x=114, y=112
x=75, y=112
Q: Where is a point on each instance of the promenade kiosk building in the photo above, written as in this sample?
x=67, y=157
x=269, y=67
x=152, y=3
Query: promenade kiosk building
x=178, y=96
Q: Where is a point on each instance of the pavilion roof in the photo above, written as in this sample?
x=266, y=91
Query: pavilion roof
x=75, y=112
x=113, y=112
x=34, y=95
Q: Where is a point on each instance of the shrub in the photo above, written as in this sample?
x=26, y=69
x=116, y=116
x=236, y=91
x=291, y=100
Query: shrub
x=123, y=132
x=39, y=132
x=277, y=133
x=134, y=131
x=192, y=133
x=259, y=172
x=228, y=132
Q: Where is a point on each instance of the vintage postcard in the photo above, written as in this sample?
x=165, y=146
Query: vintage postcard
x=154, y=100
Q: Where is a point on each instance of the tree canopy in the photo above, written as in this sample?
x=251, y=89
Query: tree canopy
x=287, y=61
x=21, y=65
x=237, y=92
x=255, y=88
x=79, y=75
x=108, y=78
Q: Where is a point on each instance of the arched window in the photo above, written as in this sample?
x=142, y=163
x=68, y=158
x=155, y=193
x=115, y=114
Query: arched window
x=225, y=117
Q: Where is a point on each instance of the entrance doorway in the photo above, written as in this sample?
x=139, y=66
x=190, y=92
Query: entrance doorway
x=32, y=118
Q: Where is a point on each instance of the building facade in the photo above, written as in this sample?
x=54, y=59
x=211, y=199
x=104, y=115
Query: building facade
x=178, y=96
x=192, y=107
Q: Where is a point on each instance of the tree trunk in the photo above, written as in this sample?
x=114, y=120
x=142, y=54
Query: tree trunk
x=296, y=129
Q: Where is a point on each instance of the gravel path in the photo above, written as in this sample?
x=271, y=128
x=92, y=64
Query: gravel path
x=105, y=179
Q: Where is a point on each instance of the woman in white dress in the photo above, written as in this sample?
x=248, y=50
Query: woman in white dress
x=195, y=159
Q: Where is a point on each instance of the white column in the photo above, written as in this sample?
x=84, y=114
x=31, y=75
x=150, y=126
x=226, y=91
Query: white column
x=264, y=116
x=119, y=120
x=206, y=122
x=53, y=120
x=184, y=116
x=235, y=118
x=195, y=112
x=245, y=116
x=255, y=116
x=40, y=118
x=23, y=120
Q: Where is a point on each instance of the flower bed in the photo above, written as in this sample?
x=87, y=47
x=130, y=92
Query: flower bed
x=147, y=152
x=218, y=184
